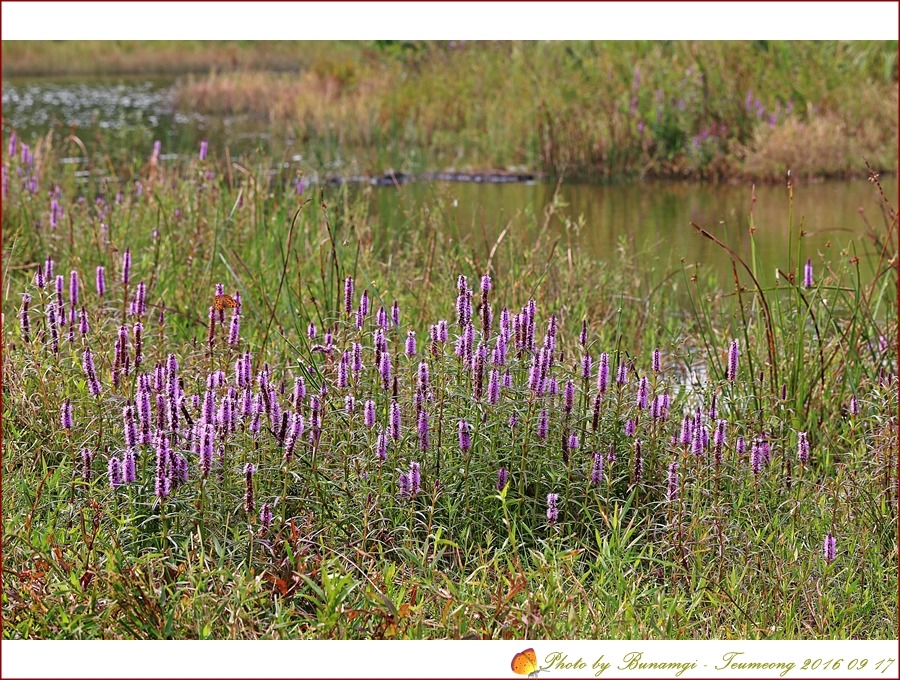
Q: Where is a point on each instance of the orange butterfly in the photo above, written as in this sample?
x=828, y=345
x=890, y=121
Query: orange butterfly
x=223, y=301
x=525, y=663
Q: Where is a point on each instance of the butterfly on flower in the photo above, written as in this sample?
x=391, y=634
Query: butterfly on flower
x=223, y=301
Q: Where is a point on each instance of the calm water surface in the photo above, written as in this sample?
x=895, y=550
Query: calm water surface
x=649, y=220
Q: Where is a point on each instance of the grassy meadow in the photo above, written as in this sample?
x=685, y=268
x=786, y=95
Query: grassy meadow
x=412, y=436
x=728, y=111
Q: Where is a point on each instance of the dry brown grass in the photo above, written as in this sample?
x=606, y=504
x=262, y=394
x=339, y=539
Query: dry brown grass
x=826, y=145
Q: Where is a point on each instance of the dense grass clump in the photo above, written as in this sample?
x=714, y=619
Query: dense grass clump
x=235, y=411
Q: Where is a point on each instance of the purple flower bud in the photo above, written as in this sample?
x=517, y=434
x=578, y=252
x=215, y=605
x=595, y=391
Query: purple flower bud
x=126, y=266
x=410, y=343
x=385, y=370
x=603, y=374
x=265, y=519
x=131, y=434
x=719, y=440
x=405, y=485
x=73, y=288
x=573, y=441
x=357, y=357
x=830, y=548
x=348, y=295
x=630, y=427
x=114, y=468
x=204, y=148
x=442, y=331
x=732, y=361
x=128, y=467
x=622, y=374
x=364, y=303
x=485, y=283
x=249, y=506
x=395, y=420
x=494, y=387
x=803, y=447
x=808, y=274
x=642, y=394
x=672, y=490
x=465, y=435
x=395, y=314
x=597, y=469
x=423, y=431
x=756, y=457
x=854, y=406
x=552, y=509
x=24, y=319
x=569, y=396
x=638, y=462
x=59, y=294
x=656, y=361
x=234, y=329
x=381, y=446
x=502, y=478
x=543, y=424
x=415, y=478
x=369, y=414
x=740, y=446
x=66, y=414
x=582, y=337
x=87, y=458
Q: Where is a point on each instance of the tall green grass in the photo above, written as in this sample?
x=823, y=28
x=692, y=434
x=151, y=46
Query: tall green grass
x=738, y=552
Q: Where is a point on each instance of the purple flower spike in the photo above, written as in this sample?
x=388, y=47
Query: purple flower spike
x=395, y=420
x=87, y=459
x=265, y=519
x=395, y=314
x=808, y=274
x=204, y=148
x=642, y=394
x=672, y=490
x=597, y=469
x=494, y=387
x=128, y=467
x=411, y=343
x=126, y=266
x=465, y=435
x=405, y=485
x=582, y=337
x=854, y=406
x=830, y=548
x=114, y=467
x=552, y=507
x=66, y=414
x=603, y=374
x=502, y=479
x=415, y=478
x=348, y=295
x=656, y=361
x=73, y=288
x=543, y=425
x=369, y=414
x=803, y=447
x=249, y=506
x=732, y=361
x=381, y=447
x=622, y=374
x=424, y=441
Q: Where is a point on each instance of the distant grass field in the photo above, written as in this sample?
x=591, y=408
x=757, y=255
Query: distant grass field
x=529, y=467
x=748, y=110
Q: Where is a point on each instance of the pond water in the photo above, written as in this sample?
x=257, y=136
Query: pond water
x=650, y=220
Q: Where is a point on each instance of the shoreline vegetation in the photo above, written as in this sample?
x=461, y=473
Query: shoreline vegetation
x=720, y=111
x=231, y=411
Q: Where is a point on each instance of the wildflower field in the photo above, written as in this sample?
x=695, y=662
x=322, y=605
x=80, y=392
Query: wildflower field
x=233, y=408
